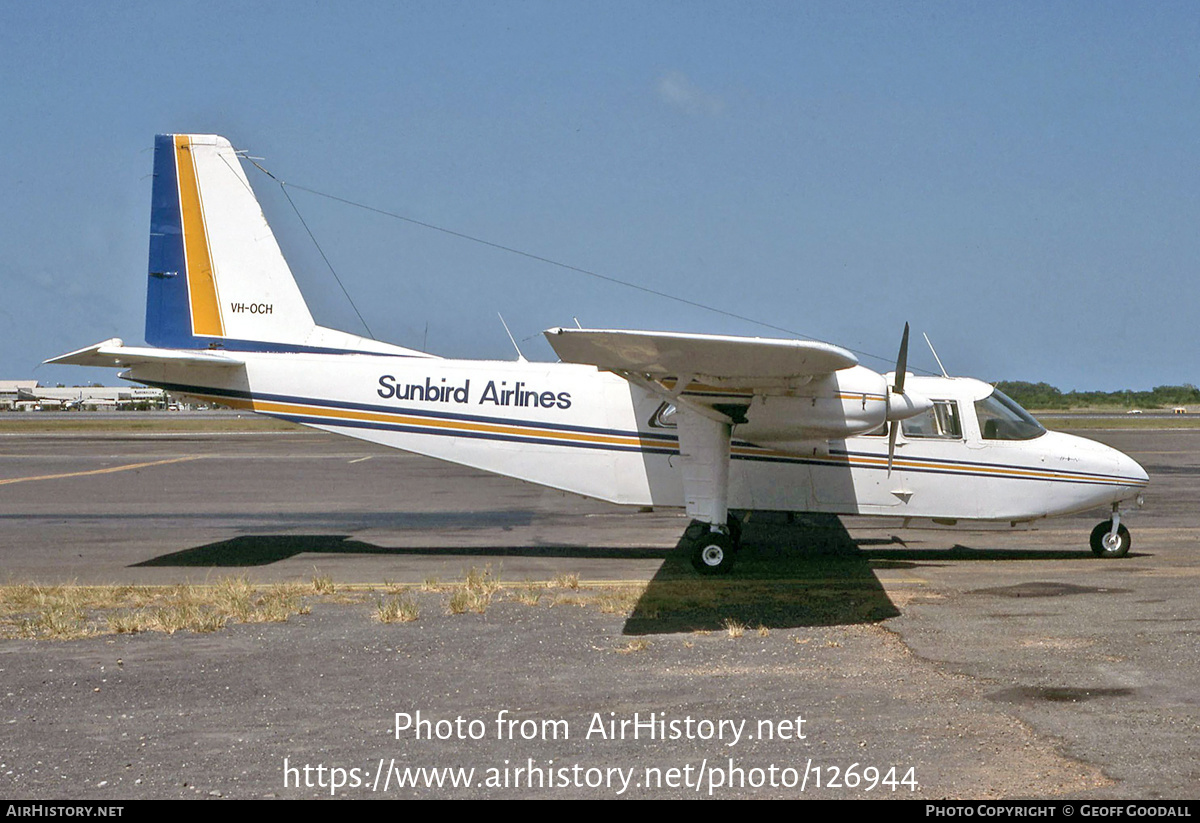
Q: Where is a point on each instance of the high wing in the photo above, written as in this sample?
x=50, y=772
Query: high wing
x=785, y=394
x=744, y=362
x=785, y=391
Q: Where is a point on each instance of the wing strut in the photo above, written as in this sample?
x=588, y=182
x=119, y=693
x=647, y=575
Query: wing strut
x=704, y=450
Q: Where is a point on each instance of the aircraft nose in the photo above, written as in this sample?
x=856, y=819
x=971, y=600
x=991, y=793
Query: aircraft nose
x=1130, y=477
x=1119, y=476
x=1131, y=470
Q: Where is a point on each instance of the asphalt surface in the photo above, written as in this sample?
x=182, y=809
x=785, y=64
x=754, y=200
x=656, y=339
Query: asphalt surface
x=991, y=663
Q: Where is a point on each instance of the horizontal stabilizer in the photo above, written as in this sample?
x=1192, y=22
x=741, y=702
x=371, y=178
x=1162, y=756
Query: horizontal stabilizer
x=114, y=353
x=746, y=361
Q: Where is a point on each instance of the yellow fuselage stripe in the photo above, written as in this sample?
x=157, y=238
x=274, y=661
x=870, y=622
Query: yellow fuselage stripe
x=435, y=423
x=973, y=468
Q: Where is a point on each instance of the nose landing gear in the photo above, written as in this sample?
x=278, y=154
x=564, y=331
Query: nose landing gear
x=1110, y=538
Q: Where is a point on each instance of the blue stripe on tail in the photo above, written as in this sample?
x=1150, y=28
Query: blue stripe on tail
x=168, y=307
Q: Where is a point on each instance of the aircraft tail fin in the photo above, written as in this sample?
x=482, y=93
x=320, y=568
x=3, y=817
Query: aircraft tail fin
x=217, y=277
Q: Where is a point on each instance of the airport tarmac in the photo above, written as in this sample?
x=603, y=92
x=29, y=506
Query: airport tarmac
x=992, y=663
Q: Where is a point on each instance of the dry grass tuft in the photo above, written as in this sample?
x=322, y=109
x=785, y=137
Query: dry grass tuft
x=193, y=617
x=234, y=596
x=476, y=593
x=56, y=622
x=483, y=581
x=69, y=612
x=528, y=595
x=276, y=606
x=398, y=609
x=734, y=628
x=125, y=623
x=465, y=600
x=619, y=601
x=565, y=581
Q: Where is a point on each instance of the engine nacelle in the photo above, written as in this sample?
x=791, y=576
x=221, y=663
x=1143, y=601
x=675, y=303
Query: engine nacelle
x=842, y=404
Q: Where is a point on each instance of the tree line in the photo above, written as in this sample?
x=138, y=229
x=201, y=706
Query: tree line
x=1045, y=396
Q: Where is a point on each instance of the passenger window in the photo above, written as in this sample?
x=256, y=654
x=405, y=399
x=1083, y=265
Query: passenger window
x=940, y=421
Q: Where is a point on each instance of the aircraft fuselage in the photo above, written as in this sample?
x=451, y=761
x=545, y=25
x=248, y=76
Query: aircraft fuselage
x=586, y=431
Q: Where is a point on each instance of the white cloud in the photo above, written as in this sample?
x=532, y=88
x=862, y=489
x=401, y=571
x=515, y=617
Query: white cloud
x=678, y=91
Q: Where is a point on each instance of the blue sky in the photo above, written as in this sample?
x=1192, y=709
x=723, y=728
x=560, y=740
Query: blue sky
x=1018, y=180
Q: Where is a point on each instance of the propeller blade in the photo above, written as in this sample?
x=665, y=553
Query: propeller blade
x=902, y=362
x=898, y=388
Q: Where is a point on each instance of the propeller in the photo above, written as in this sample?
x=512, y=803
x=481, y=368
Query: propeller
x=897, y=388
x=902, y=405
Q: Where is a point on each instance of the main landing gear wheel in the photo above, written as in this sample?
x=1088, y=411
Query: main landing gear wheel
x=1107, y=544
x=712, y=553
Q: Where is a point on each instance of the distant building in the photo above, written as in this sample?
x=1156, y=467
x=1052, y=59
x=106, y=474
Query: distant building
x=10, y=390
x=27, y=394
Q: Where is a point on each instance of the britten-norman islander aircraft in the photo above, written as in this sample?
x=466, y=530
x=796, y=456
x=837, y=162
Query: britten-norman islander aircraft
x=706, y=422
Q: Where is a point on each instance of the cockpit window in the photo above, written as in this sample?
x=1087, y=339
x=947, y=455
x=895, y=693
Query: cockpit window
x=1001, y=418
x=939, y=421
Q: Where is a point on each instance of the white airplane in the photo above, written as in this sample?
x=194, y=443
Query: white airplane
x=706, y=422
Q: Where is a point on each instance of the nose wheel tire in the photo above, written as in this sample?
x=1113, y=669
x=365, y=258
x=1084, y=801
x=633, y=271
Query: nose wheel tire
x=712, y=553
x=1107, y=544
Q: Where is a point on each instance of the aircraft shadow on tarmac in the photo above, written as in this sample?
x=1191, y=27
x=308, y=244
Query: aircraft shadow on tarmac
x=264, y=549
x=802, y=571
x=793, y=571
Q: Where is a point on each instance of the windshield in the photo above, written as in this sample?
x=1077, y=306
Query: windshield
x=1001, y=418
